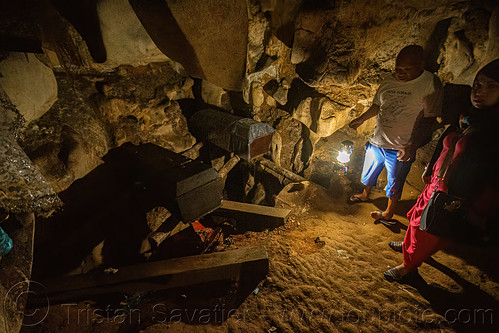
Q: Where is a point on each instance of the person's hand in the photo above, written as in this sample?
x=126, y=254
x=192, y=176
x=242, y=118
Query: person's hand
x=407, y=153
x=356, y=123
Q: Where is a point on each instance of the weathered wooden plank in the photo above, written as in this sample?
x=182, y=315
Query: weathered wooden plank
x=285, y=176
x=158, y=275
x=253, y=217
x=231, y=163
x=193, y=152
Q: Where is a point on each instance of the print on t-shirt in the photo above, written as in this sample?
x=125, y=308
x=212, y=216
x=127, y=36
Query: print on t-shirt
x=396, y=101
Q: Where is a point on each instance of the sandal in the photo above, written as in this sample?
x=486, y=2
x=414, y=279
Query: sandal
x=355, y=199
x=396, y=246
x=381, y=219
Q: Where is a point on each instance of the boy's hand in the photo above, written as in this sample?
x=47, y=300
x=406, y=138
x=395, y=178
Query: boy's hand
x=407, y=153
x=356, y=123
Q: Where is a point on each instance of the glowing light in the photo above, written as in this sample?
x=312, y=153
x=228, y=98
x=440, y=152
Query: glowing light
x=343, y=157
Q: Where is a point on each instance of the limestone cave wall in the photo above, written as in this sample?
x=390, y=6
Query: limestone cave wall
x=94, y=75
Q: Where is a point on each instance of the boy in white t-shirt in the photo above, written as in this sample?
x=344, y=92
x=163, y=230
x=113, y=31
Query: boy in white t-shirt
x=406, y=105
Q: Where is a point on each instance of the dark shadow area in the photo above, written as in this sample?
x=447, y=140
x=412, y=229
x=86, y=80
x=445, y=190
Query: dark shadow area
x=83, y=16
x=313, y=68
x=234, y=185
x=19, y=44
x=307, y=149
x=240, y=107
x=403, y=206
x=393, y=225
x=265, y=60
x=297, y=93
x=484, y=258
x=271, y=87
x=435, y=42
x=380, y=202
x=188, y=106
x=20, y=27
x=456, y=101
x=209, y=303
x=201, y=304
x=321, y=173
x=470, y=310
x=264, y=187
x=235, y=102
x=111, y=203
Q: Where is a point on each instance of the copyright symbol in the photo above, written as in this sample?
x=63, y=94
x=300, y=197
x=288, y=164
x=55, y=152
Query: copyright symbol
x=16, y=298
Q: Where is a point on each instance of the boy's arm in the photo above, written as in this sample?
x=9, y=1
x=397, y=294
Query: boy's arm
x=371, y=112
x=426, y=122
x=421, y=135
x=432, y=108
x=432, y=102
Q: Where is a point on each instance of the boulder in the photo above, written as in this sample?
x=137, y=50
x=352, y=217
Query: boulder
x=125, y=39
x=214, y=95
x=289, y=148
x=321, y=115
x=254, y=81
x=308, y=25
x=151, y=84
x=163, y=125
x=347, y=44
x=257, y=95
x=281, y=95
x=30, y=85
x=303, y=113
x=24, y=189
x=64, y=47
x=283, y=16
x=66, y=143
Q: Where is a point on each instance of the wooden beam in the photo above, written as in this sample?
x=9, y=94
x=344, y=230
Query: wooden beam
x=285, y=176
x=158, y=275
x=231, y=163
x=193, y=152
x=250, y=217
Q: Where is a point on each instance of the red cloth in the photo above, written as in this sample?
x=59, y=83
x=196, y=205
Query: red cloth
x=418, y=244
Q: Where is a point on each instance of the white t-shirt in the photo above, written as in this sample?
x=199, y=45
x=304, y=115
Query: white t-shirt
x=400, y=105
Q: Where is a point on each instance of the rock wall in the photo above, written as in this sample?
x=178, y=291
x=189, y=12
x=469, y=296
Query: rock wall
x=93, y=115
x=341, y=51
x=305, y=68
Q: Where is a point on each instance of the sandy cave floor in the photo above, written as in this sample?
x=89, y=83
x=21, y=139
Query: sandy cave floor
x=326, y=275
x=338, y=285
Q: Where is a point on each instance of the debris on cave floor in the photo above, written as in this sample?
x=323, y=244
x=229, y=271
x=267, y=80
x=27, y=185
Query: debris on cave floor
x=335, y=287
